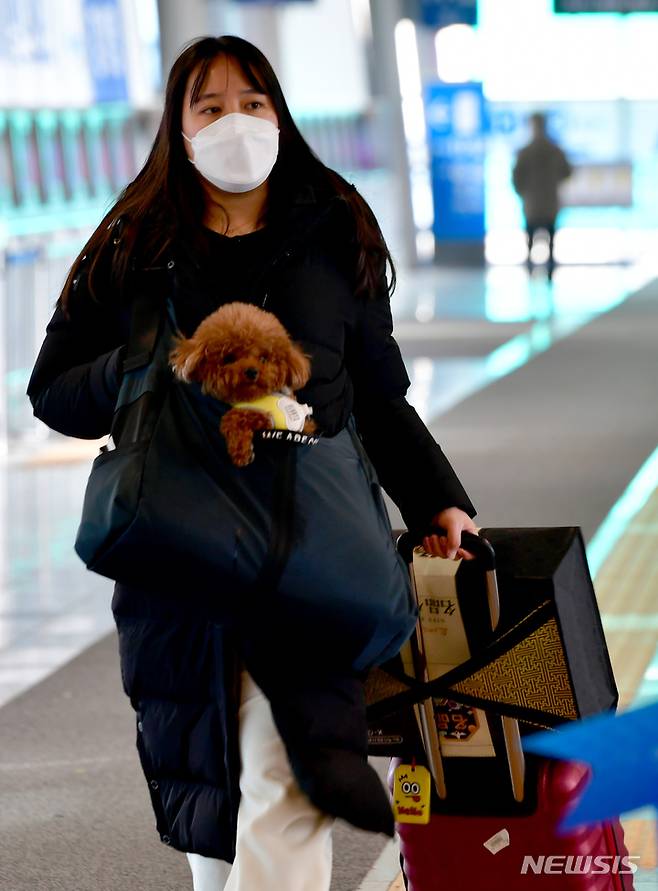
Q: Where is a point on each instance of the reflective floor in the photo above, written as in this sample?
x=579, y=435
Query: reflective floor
x=50, y=606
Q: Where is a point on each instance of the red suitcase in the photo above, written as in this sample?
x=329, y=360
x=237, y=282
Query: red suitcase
x=449, y=853
x=494, y=826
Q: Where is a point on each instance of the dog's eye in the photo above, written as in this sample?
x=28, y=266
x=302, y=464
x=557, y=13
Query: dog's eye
x=264, y=357
x=228, y=359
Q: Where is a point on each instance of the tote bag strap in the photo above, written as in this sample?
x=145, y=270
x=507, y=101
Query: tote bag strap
x=143, y=384
x=147, y=315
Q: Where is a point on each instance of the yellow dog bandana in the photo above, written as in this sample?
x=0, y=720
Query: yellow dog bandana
x=286, y=412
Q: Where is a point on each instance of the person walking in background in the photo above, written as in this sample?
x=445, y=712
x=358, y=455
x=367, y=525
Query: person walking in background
x=539, y=169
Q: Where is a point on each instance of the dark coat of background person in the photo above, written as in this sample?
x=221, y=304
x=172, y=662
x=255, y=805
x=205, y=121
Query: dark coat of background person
x=540, y=168
x=180, y=666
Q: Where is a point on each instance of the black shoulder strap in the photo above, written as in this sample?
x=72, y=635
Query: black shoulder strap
x=145, y=325
x=147, y=313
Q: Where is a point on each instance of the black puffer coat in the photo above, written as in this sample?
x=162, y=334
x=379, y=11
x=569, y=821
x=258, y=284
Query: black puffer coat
x=180, y=665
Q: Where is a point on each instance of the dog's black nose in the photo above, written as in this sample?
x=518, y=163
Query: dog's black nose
x=251, y=373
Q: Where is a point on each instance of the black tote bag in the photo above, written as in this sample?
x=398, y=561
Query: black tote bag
x=299, y=539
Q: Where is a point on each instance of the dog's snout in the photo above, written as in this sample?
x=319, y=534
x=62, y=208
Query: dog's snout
x=251, y=373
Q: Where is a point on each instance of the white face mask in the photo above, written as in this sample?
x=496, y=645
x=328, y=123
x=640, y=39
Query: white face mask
x=236, y=152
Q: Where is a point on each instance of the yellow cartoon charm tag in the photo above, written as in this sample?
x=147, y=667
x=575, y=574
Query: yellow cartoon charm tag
x=412, y=787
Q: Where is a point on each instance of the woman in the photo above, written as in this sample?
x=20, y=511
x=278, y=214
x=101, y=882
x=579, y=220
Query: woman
x=228, y=208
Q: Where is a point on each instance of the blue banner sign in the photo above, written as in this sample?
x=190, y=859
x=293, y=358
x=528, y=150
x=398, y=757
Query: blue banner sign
x=605, y=5
x=455, y=115
x=440, y=13
x=106, y=50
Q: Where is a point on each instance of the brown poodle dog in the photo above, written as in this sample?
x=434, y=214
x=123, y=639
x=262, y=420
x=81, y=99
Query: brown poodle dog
x=243, y=355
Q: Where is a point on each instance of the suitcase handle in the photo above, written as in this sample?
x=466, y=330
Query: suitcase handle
x=480, y=547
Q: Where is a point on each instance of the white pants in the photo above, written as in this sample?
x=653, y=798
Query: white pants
x=283, y=841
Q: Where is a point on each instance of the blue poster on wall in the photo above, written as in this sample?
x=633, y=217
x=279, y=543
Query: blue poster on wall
x=456, y=125
x=106, y=50
x=440, y=13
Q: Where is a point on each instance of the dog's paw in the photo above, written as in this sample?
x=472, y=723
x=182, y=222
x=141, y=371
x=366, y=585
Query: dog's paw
x=241, y=450
x=242, y=458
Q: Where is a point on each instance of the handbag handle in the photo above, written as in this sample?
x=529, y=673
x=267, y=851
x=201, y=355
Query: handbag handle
x=480, y=547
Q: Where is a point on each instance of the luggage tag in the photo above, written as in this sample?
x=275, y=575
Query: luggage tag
x=412, y=788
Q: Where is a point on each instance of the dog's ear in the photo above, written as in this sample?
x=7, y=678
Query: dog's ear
x=298, y=368
x=187, y=359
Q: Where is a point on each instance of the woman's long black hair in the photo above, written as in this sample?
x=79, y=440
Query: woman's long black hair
x=166, y=198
